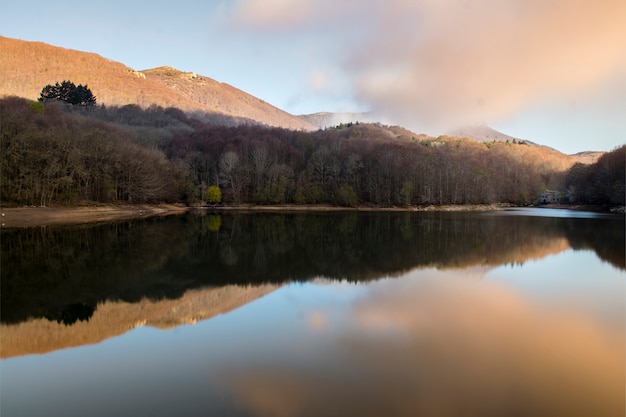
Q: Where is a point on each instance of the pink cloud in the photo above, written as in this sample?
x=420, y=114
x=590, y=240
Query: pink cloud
x=439, y=63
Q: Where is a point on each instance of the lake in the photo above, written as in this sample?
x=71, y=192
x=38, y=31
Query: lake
x=510, y=313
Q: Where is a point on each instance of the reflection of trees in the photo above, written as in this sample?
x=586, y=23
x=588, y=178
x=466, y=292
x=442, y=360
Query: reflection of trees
x=45, y=270
x=608, y=242
x=73, y=313
x=228, y=255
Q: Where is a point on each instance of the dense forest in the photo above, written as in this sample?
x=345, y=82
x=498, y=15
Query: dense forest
x=57, y=154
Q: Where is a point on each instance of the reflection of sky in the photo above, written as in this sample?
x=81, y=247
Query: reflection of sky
x=438, y=343
x=524, y=339
x=551, y=212
x=572, y=279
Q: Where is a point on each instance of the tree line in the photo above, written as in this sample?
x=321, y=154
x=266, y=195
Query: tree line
x=56, y=153
x=600, y=183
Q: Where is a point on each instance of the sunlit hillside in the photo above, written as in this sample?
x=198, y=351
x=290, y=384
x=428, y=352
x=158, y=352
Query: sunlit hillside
x=26, y=67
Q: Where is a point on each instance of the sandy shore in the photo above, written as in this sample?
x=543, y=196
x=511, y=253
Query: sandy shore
x=48, y=216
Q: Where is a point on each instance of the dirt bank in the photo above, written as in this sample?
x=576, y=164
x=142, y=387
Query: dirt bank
x=49, y=216
x=323, y=207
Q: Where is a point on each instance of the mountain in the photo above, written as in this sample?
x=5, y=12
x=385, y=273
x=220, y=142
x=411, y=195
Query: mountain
x=477, y=133
x=483, y=133
x=587, y=157
x=26, y=67
x=323, y=120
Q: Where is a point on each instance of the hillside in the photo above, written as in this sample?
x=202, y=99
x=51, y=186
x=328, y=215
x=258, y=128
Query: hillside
x=323, y=120
x=477, y=133
x=471, y=135
x=483, y=133
x=26, y=67
x=224, y=98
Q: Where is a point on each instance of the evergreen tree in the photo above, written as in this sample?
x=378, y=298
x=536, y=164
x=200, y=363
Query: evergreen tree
x=69, y=93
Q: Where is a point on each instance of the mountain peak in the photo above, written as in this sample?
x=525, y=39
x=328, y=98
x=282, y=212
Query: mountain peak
x=484, y=133
x=167, y=71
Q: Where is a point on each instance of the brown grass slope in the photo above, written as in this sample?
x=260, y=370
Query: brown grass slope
x=224, y=97
x=26, y=67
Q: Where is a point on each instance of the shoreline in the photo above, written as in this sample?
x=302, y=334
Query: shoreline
x=24, y=217
x=327, y=207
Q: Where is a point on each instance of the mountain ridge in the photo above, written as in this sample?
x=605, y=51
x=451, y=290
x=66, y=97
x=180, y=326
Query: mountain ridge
x=27, y=66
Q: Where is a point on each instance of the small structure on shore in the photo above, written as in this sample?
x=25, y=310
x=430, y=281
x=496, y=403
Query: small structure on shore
x=549, y=197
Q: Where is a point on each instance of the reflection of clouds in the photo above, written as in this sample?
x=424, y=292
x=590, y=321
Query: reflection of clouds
x=485, y=345
x=317, y=320
x=455, y=347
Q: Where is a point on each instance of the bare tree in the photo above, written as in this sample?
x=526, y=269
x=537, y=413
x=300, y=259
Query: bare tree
x=229, y=174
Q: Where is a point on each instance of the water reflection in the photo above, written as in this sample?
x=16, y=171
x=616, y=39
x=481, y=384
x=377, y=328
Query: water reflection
x=114, y=318
x=401, y=314
x=67, y=274
x=73, y=313
x=436, y=345
x=47, y=271
x=552, y=212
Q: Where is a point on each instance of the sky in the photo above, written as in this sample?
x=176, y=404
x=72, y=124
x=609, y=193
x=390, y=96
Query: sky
x=549, y=71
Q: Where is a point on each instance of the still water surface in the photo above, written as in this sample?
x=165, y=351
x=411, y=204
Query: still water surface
x=516, y=313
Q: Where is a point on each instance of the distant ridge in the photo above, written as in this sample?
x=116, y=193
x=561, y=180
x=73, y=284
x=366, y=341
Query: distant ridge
x=26, y=67
x=483, y=133
x=323, y=120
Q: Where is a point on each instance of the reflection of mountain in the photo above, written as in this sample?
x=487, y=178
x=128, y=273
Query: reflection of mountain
x=113, y=318
x=45, y=272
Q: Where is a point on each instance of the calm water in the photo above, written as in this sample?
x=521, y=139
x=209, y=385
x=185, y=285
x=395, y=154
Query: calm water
x=516, y=313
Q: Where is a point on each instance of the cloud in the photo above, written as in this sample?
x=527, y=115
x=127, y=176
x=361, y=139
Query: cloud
x=320, y=80
x=440, y=63
x=273, y=13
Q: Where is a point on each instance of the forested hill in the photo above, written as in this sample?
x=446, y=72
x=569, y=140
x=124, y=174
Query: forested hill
x=63, y=154
x=26, y=67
